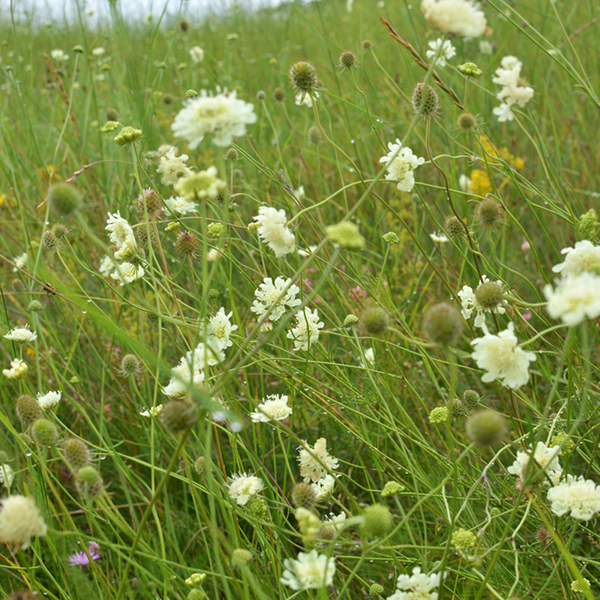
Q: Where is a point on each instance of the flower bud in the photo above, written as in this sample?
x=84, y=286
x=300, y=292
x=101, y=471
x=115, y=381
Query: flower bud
x=463, y=540
x=257, y=507
x=240, y=558
x=377, y=521
x=35, y=306
x=470, y=69
x=439, y=414
x=350, y=320
x=128, y=135
x=391, y=238
x=391, y=488
x=376, y=590
x=191, y=94
x=88, y=474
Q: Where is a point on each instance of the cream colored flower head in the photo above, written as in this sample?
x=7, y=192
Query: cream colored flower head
x=315, y=463
x=459, y=17
x=308, y=571
x=20, y=522
x=21, y=335
x=242, y=488
x=273, y=408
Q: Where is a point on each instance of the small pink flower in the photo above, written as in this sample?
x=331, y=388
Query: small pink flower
x=527, y=315
x=357, y=293
x=525, y=246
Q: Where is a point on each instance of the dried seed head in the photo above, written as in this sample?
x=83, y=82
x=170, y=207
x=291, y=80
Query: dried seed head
x=77, y=454
x=149, y=202
x=466, y=121
x=186, y=244
x=490, y=294
x=304, y=496
x=454, y=227
x=442, y=324
x=489, y=213
x=425, y=100
x=278, y=94
x=348, y=59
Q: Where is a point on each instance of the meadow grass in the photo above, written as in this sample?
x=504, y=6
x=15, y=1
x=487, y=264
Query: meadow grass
x=163, y=512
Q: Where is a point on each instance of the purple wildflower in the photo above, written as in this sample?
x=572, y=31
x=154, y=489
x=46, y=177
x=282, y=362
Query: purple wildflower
x=81, y=558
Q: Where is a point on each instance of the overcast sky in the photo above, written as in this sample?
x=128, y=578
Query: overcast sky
x=57, y=10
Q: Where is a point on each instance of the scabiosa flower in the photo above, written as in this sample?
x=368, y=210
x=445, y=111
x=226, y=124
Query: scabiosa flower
x=119, y=230
x=7, y=475
x=470, y=301
x=438, y=237
x=545, y=456
x=21, y=334
x=418, y=586
x=173, y=167
x=500, y=356
x=513, y=91
x=579, y=496
x=273, y=408
x=315, y=463
x=80, y=559
x=59, y=55
x=401, y=163
x=197, y=54
x=127, y=273
x=585, y=256
x=219, y=329
x=202, y=185
x=306, y=331
x=272, y=230
x=443, y=49
x=306, y=98
x=324, y=487
x=49, y=400
x=460, y=17
x=20, y=521
x=21, y=261
x=180, y=206
x=153, y=411
x=242, y=487
x=574, y=299
x=107, y=266
x=309, y=571
x=206, y=354
x=223, y=116
x=182, y=378
x=275, y=296
x=18, y=369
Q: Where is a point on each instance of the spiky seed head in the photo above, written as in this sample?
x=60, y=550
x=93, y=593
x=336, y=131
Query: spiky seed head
x=471, y=399
x=350, y=320
x=130, y=365
x=439, y=414
x=261, y=95
x=44, y=432
x=186, y=244
x=60, y=230
x=367, y=44
x=377, y=521
x=459, y=409
x=88, y=474
x=304, y=496
x=50, y=240
x=303, y=77
x=346, y=235
x=65, y=199
x=240, y=558
x=376, y=590
x=326, y=533
x=374, y=320
x=77, y=454
x=489, y=213
x=257, y=507
x=467, y=121
x=486, y=428
x=215, y=230
x=35, y=306
x=314, y=135
x=470, y=70
x=442, y=324
x=200, y=465
x=149, y=202
x=454, y=227
x=348, y=59
x=111, y=114
x=18, y=286
x=279, y=94
x=490, y=294
x=27, y=409
x=232, y=154
x=128, y=135
x=177, y=416
x=425, y=100
x=151, y=319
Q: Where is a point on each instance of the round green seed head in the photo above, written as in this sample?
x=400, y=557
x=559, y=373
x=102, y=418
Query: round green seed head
x=257, y=507
x=466, y=121
x=111, y=114
x=486, y=428
x=184, y=25
x=490, y=294
x=28, y=410
x=49, y=240
x=130, y=365
x=459, y=409
x=197, y=594
x=376, y=590
x=3, y=457
x=18, y=286
x=60, y=231
x=314, y=135
x=454, y=227
x=377, y=521
x=200, y=465
x=167, y=99
x=326, y=533
x=35, y=306
x=77, y=454
x=489, y=213
x=367, y=44
x=278, y=94
x=88, y=474
x=442, y=324
x=350, y=320
x=425, y=100
x=261, y=95
x=471, y=399
x=65, y=199
x=232, y=154
x=303, y=77
x=304, y=496
x=374, y=320
x=177, y=416
x=348, y=59
x=44, y=432
x=439, y=414
x=346, y=235
x=90, y=490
